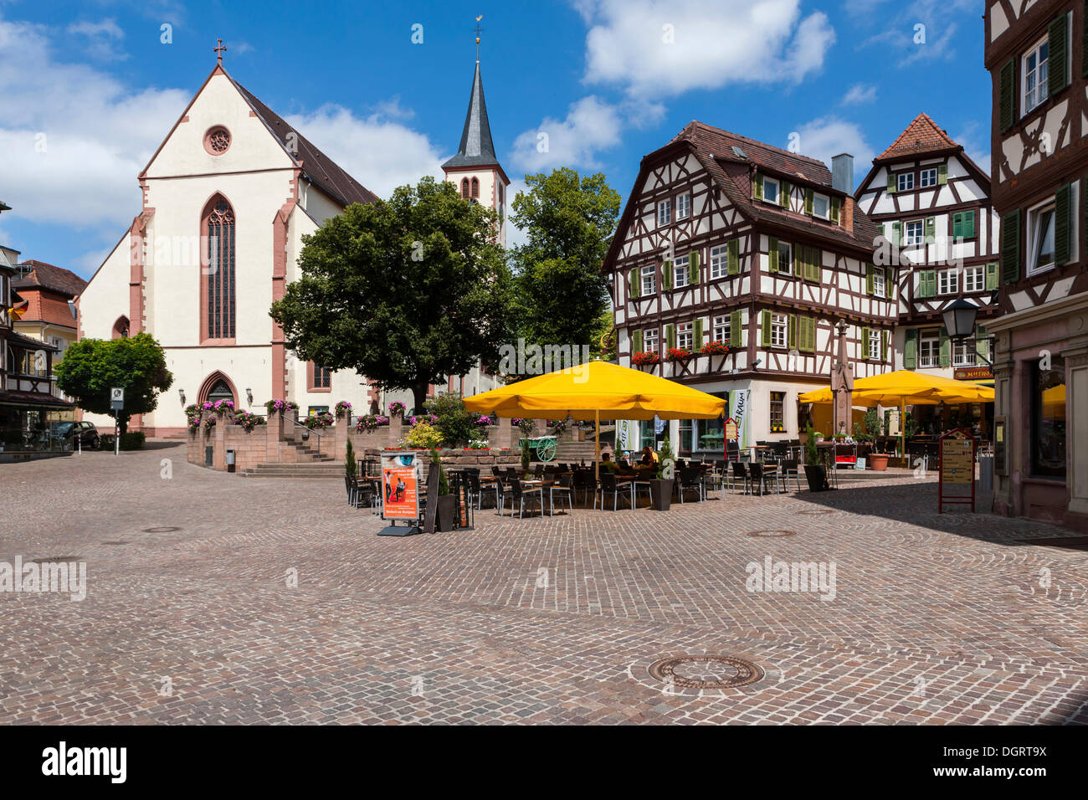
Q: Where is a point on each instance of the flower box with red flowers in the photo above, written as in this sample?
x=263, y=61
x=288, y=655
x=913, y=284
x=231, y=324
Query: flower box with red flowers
x=679, y=354
x=645, y=358
x=715, y=349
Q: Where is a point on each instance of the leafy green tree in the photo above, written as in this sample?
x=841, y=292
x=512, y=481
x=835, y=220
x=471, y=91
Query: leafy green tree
x=405, y=291
x=561, y=293
x=91, y=367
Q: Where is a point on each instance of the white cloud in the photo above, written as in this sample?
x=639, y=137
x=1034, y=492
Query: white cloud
x=99, y=40
x=919, y=31
x=514, y=236
x=976, y=142
x=654, y=48
x=378, y=152
x=829, y=136
x=591, y=124
x=859, y=94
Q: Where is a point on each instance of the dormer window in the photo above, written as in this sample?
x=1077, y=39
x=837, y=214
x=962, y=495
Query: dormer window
x=771, y=190
x=821, y=206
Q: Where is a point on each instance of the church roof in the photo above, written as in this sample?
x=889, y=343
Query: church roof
x=922, y=136
x=477, y=149
x=40, y=275
x=325, y=173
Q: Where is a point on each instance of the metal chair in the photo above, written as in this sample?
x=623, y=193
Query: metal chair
x=759, y=474
x=564, y=487
x=740, y=472
x=475, y=492
x=609, y=485
x=789, y=467
x=520, y=495
x=691, y=478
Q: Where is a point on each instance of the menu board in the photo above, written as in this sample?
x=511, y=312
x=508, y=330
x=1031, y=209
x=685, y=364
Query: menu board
x=401, y=473
x=957, y=460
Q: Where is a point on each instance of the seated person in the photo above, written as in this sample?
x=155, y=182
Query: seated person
x=608, y=464
x=649, y=457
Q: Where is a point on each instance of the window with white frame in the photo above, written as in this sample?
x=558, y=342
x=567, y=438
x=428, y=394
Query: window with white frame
x=948, y=281
x=821, y=206
x=963, y=352
x=875, y=349
x=929, y=349
x=650, y=340
x=649, y=280
x=664, y=212
x=904, y=181
x=974, y=279
x=1035, y=69
x=779, y=330
x=914, y=233
x=771, y=189
x=928, y=177
x=778, y=412
x=720, y=329
x=683, y=206
x=785, y=258
x=680, y=272
x=879, y=283
x=719, y=261
x=1041, y=238
x=685, y=335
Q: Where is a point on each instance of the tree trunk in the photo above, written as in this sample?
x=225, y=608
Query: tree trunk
x=122, y=423
x=419, y=396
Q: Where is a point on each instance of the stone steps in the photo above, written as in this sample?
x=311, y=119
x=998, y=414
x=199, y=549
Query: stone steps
x=329, y=470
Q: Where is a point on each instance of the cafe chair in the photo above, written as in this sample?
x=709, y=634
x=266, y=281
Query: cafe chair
x=607, y=486
x=691, y=478
x=521, y=496
x=565, y=487
x=789, y=467
x=740, y=473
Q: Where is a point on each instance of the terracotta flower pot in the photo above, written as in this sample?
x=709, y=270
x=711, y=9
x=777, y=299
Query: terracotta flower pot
x=878, y=462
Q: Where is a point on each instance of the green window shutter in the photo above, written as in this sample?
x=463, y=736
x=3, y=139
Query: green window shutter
x=982, y=343
x=865, y=334
x=693, y=267
x=1010, y=247
x=808, y=201
x=670, y=336
x=883, y=345
x=969, y=224
x=757, y=186
x=1007, y=95
x=636, y=341
x=784, y=195
x=772, y=254
x=765, y=328
x=697, y=334
x=1058, y=58
x=736, y=330
x=942, y=174
x=931, y=230
x=733, y=257
x=666, y=274
x=807, y=339
x=910, y=349
x=897, y=233
x=869, y=270
x=946, y=350
x=835, y=203
x=927, y=283
x=813, y=264
x=889, y=282
x=891, y=181
x=991, y=276
x=636, y=284
x=791, y=334
x=957, y=225
x=1063, y=223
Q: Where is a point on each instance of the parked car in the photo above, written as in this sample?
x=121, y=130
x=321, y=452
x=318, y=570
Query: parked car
x=71, y=432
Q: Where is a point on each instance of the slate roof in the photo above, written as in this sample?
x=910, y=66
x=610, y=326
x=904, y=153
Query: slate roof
x=48, y=276
x=921, y=137
x=477, y=148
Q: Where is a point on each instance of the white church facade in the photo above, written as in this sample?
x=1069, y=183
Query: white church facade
x=226, y=201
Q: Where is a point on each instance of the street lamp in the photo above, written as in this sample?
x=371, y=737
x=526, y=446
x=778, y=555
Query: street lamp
x=959, y=322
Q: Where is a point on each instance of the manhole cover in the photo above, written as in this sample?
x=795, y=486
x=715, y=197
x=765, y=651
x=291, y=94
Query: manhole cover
x=163, y=529
x=771, y=534
x=56, y=559
x=814, y=513
x=706, y=672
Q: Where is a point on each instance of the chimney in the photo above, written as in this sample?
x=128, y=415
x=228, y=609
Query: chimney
x=847, y=220
x=842, y=173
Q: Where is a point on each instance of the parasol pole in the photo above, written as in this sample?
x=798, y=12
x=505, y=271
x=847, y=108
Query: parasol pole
x=903, y=429
x=597, y=436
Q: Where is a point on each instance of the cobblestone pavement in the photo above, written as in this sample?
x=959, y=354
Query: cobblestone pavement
x=934, y=619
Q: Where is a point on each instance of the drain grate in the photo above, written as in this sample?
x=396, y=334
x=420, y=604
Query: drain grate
x=770, y=534
x=163, y=529
x=56, y=559
x=706, y=672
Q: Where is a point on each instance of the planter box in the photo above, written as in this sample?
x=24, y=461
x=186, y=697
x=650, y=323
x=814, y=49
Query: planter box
x=444, y=519
x=661, y=494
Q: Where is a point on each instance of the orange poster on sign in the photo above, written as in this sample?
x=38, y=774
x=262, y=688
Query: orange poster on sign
x=401, y=473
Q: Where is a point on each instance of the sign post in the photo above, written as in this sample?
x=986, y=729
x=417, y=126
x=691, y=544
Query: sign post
x=402, y=474
x=958, y=450
x=730, y=438
x=117, y=404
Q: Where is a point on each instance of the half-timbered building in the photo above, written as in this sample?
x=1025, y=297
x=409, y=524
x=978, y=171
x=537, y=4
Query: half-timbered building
x=932, y=204
x=732, y=265
x=1035, y=52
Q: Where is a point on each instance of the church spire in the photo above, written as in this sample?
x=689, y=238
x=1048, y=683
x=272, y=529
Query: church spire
x=477, y=149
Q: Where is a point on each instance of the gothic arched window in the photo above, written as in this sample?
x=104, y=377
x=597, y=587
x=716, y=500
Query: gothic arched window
x=464, y=188
x=218, y=271
x=220, y=391
x=120, y=328
x=475, y=188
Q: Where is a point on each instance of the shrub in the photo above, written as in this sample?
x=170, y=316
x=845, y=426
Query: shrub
x=457, y=425
x=132, y=440
x=350, y=465
x=423, y=436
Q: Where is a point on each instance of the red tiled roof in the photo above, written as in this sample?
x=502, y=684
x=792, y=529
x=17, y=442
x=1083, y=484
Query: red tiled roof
x=48, y=276
x=921, y=136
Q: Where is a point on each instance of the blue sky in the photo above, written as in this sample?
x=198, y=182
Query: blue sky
x=89, y=89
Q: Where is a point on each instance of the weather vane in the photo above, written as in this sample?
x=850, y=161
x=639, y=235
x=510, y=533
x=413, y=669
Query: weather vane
x=479, y=30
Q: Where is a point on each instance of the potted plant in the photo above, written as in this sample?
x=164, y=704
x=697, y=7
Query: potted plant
x=445, y=507
x=525, y=454
x=815, y=473
x=661, y=485
x=878, y=462
x=351, y=468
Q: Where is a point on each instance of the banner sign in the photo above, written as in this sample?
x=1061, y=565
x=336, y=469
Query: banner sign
x=402, y=473
x=623, y=435
x=973, y=374
x=739, y=401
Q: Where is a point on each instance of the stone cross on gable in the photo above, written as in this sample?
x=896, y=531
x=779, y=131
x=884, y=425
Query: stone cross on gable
x=219, y=49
